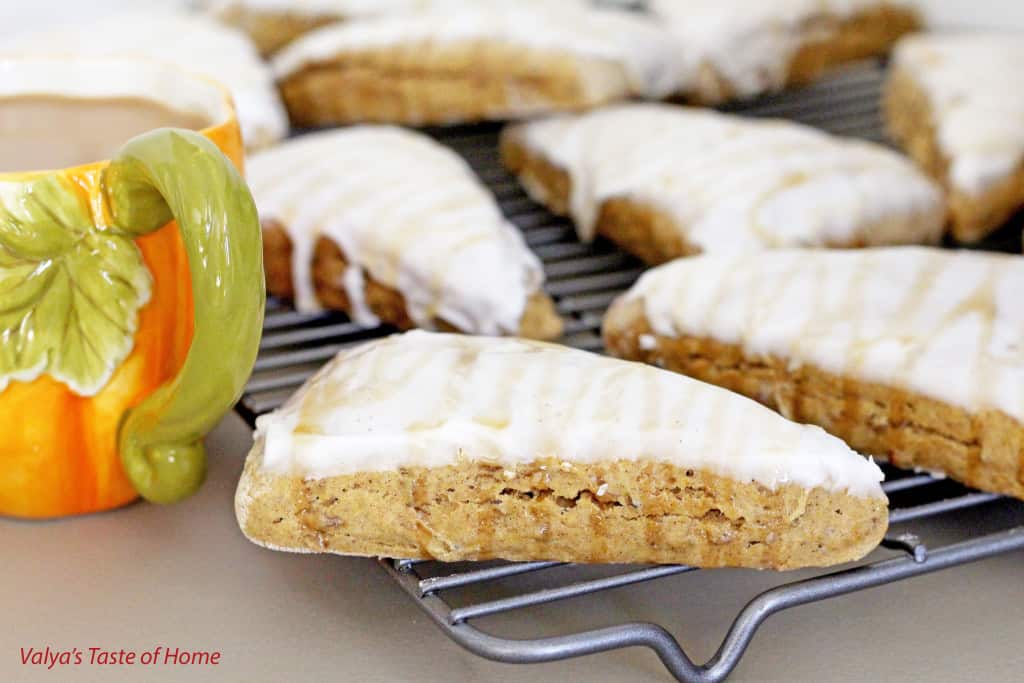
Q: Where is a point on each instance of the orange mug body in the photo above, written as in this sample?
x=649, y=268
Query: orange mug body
x=62, y=446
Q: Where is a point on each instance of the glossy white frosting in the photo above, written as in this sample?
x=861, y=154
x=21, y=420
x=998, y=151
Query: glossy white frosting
x=431, y=400
x=973, y=82
x=732, y=183
x=945, y=324
x=749, y=43
x=191, y=41
x=406, y=210
x=645, y=52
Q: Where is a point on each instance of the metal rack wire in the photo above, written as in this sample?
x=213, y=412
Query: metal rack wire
x=583, y=279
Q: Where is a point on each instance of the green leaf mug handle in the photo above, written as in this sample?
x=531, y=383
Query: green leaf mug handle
x=179, y=174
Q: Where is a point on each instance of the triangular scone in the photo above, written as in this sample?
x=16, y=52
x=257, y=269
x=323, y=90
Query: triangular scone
x=477, y=62
x=391, y=226
x=191, y=41
x=665, y=181
x=741, y=48
x=955, y=103
x=911, y=353
x=469, y=448
x=272, y=24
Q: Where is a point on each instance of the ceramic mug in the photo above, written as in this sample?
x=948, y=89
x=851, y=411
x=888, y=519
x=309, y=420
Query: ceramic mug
x=131, y=290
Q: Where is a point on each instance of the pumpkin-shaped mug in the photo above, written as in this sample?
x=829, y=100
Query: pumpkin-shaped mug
x=131, y=289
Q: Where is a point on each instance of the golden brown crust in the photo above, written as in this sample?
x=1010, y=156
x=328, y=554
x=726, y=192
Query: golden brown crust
x=984, y=450
x=621, y=511
x=271, y=31
x=829, y=42
x=868, y=33
x=540, y=319
x=909, y=121
x=425, y=84
x=277, y=260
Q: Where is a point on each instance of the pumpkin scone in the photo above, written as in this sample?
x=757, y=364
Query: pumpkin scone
x=909, y=353
x=390, y=226
x=453, y=447
x=953, y=101
x=192, y=41
x=480, y=61
x=734, y=49
x=665, y=181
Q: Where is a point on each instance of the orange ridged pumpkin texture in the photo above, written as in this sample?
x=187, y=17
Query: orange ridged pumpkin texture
x=59, y=451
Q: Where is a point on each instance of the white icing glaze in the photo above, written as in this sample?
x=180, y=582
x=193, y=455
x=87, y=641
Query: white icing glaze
x=749, y=43
x=430, y=400
x=409, y=212
x=972, y=81
x=945, y=324
x=191, y=41
x=732, y=183
x=645, y=52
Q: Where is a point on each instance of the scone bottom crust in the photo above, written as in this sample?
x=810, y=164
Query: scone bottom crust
x=616, y=512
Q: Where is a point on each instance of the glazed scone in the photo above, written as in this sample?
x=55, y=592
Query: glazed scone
x=665, y=181
x=952, y=103
x=389, y=225
x=453, y=447
x=733, y=49
x=192, y=41
x=482, y=61
x=272, y=24
x=909, y=353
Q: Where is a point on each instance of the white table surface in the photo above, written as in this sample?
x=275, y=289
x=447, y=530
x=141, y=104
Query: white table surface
x=184, y=576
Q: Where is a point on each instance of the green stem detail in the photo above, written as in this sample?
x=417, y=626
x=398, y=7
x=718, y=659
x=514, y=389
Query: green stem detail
x=180, y=174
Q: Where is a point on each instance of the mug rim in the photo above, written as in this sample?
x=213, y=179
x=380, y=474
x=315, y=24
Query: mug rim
x=144, y=78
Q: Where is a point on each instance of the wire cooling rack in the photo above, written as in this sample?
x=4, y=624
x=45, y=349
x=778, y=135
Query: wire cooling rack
x=583, y=280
